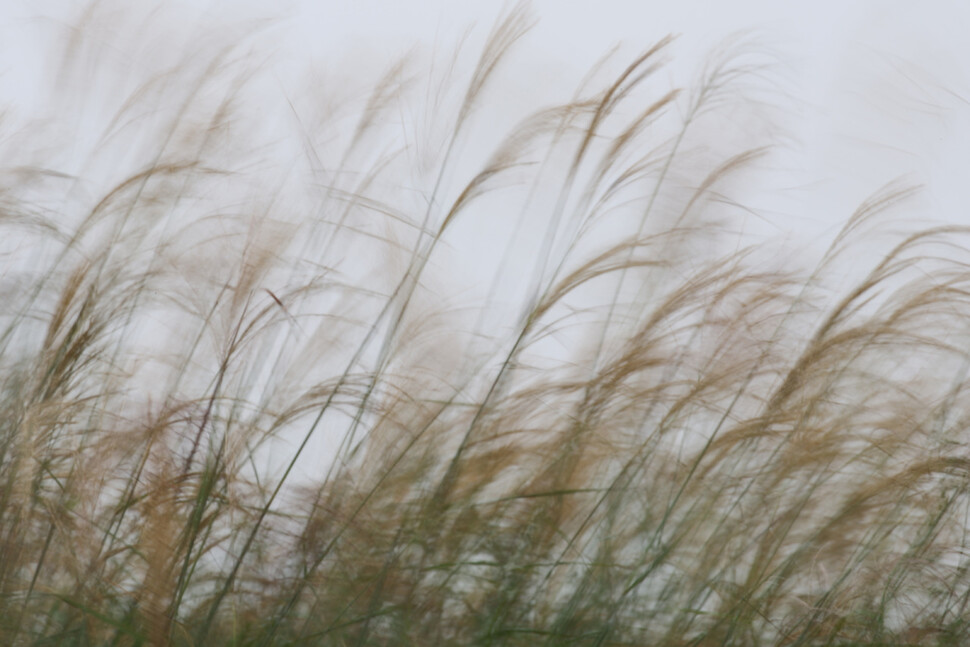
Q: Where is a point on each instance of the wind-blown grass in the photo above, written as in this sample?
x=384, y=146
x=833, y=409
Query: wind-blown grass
x=235, y=411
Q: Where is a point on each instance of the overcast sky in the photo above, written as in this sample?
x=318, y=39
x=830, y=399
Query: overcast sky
x=879, y=89
x=873, y=90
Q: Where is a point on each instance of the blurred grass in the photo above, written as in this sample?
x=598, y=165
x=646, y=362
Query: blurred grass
x=237, y=411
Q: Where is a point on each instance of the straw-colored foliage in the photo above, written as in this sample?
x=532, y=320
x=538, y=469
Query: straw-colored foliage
x=236, y=411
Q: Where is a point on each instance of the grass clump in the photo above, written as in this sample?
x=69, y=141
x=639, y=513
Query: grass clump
x=237, y=411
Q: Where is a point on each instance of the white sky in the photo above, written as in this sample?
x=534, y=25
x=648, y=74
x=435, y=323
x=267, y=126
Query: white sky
x=878, y=89
x=881, y=89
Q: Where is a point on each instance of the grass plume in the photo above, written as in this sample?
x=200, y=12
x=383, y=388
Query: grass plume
x=238, y=411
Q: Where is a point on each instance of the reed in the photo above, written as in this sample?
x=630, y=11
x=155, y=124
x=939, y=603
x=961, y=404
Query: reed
x=238, y=411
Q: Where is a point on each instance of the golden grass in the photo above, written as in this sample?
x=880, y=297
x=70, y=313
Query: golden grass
x=226, y=423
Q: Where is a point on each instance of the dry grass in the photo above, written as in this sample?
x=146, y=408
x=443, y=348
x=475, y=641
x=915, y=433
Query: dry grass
x=236, y=412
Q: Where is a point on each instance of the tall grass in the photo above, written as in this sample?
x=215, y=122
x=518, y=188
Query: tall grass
x=236, y=411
